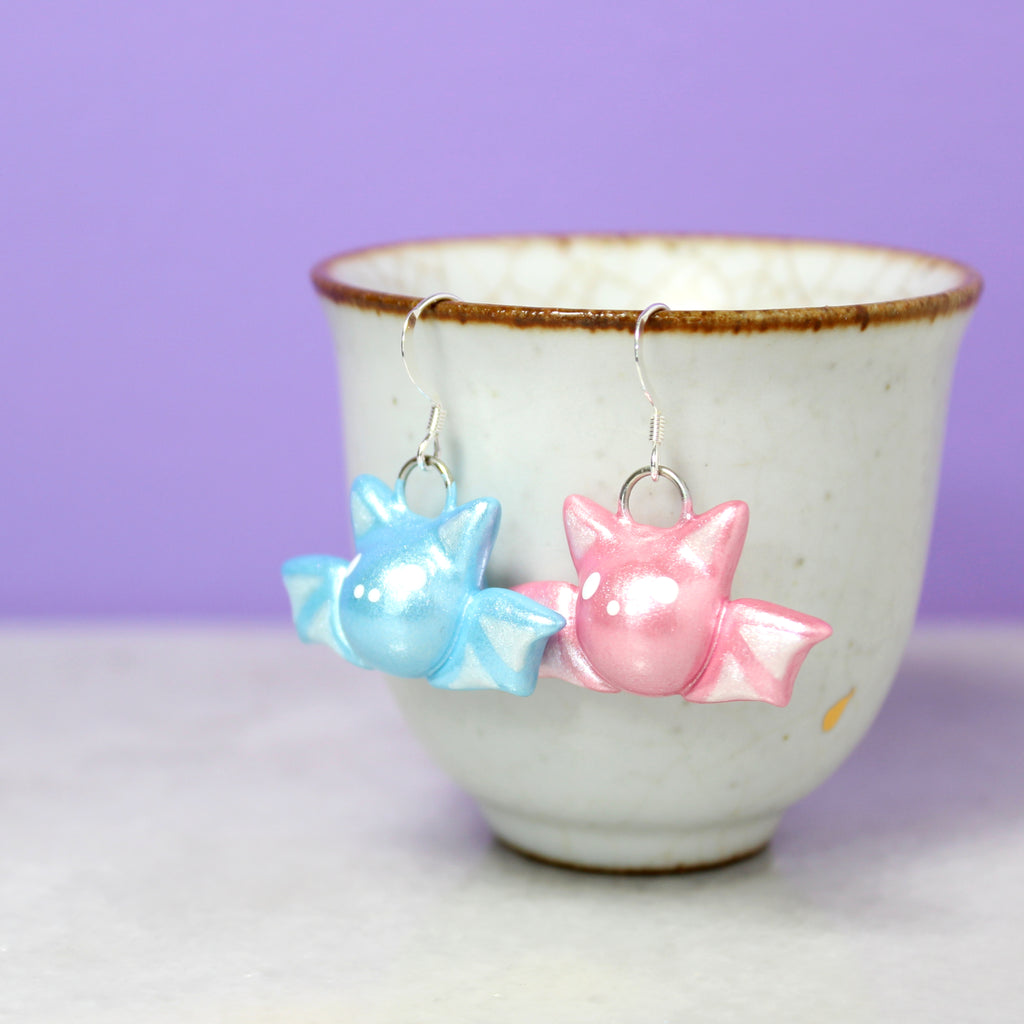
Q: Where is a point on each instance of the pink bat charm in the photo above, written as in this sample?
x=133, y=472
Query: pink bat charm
x=652, y=614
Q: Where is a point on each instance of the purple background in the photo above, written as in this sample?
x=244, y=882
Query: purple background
x=169, y=173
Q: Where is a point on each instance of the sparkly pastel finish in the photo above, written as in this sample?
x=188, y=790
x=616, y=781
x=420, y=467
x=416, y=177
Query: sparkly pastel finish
x=652, y=614
x=412, y=603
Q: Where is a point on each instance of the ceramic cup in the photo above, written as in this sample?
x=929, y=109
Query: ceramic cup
x=808, y=379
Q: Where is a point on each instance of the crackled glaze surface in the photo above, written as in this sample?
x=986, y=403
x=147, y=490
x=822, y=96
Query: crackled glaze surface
x=832, y=437
x=581, y=281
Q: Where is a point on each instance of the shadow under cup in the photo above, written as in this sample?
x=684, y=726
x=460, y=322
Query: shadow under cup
x=808, y=379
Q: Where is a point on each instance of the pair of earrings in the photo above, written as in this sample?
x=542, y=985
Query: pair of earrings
x=652, y=613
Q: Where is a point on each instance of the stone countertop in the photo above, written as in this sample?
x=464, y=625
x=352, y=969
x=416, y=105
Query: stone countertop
x=220, y=824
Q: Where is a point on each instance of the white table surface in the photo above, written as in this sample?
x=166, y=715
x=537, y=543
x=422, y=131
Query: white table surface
x=220, y=824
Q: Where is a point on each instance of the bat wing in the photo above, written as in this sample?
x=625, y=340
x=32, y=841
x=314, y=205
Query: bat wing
x=314, y=583
x=499, y=644
x=757, y=654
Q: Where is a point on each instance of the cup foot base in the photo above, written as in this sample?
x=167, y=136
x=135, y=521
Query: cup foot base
x=629, y=849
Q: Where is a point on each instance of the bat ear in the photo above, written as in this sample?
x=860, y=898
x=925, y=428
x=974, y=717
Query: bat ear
x=586, y=524
x=469, y=531
x=716, y=537
x=373, y=504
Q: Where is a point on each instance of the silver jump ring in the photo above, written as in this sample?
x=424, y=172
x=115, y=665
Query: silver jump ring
x=645, y=472
x=427, y=462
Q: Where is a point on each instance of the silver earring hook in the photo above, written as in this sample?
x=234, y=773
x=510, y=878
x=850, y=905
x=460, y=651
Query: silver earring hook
x=657, y=428
x=437, y=409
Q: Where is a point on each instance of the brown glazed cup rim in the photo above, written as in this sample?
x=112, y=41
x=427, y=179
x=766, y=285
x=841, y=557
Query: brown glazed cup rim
x=960, y=296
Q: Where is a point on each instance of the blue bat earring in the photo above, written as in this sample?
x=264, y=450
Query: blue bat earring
x=412, y=602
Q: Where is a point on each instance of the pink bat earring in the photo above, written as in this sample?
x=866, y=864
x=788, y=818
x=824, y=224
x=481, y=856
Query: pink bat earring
x=653, y=615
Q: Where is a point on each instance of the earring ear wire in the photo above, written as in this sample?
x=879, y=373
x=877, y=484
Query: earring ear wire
x=435, y=422
x=657, y=427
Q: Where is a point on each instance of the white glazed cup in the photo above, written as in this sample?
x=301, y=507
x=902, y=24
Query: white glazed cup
x=808, y=379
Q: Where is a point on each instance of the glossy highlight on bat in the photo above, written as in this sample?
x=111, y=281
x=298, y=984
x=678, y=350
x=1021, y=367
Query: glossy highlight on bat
x=412, y=602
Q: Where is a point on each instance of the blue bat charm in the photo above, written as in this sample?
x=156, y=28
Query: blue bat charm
x=412, y=603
